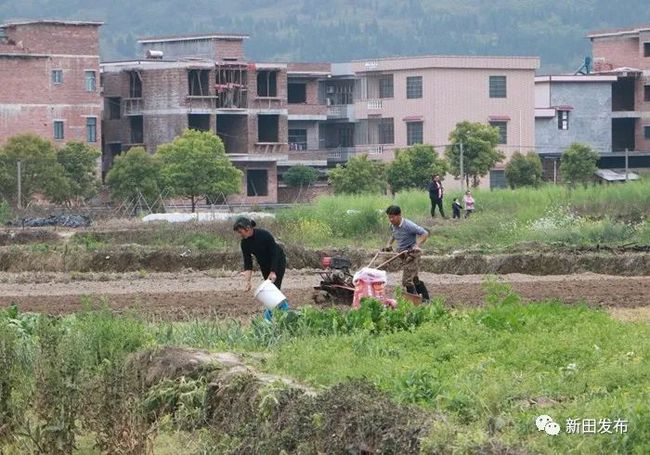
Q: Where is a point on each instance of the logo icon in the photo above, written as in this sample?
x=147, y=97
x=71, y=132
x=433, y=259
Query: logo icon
x=545, y=423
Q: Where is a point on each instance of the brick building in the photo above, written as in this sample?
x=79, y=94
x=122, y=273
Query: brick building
x=271, y=116
x=201, y=82
x=50, y=80
x=625, y=53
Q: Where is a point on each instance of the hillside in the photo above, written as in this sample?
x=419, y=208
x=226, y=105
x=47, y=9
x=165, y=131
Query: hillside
x=336, y=30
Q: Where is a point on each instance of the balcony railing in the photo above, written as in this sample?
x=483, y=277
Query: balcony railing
x=342, y=154
x=375, y=104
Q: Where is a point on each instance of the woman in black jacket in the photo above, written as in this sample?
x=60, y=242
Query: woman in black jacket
x=261, y=244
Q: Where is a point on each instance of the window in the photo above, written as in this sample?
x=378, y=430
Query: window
x=91, y=129
x=257, y=182
x=414, y=133
x=498, y=179
x=497, y=86
x=267, y=83
x=91, y=81
x=135, y=84
x=646, y=49
x=58, y=129
x=297, y=93
x=503, y=131
x=136, y=124
x=297, y=139
x=268, y=128
x=198, y=82
x=646, y=132
x=345, y=136
x=113, y=105
x=57, y=77
x=646, y=93
x=562, y=120
x=386, y=131
x=414, y=87
x=386, y=86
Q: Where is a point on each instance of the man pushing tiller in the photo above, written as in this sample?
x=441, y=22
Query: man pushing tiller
x=409, y=237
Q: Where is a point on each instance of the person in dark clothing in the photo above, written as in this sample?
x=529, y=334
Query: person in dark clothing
x=456, y=207
x=436, y=193
x=261, y=244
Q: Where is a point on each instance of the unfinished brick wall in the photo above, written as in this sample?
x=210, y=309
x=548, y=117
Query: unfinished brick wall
x=53, y=38
x=228, y=49
x=615, y=52
x=627, y=51
x=272, y=184
x=32, y=102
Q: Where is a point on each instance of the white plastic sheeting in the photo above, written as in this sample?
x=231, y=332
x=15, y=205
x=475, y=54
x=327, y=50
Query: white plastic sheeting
x=204, y=216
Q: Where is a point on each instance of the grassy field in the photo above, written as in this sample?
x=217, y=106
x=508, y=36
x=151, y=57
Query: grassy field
x=550, y=216
x=482, y=374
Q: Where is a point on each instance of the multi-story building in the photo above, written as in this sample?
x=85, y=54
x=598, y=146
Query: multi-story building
x=275, y=115
x=625, y=53
x=568, y=109
x=377, y=106
x=50, y=80
x=201, y=82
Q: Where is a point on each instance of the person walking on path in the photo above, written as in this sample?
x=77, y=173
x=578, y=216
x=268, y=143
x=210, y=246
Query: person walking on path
x=436, y=193
x=409, y=237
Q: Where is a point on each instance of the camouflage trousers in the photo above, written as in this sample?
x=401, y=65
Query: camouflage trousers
x=410, y=270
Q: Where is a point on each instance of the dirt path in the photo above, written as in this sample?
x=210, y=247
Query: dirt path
x=200, y=294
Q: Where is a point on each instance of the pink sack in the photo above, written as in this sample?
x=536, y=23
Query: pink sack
x=370, y=282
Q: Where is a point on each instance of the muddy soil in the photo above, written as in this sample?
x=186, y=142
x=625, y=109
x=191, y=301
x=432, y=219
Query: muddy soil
x=188, y=295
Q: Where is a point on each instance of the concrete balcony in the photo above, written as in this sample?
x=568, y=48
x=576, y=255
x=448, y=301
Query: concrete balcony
x=201, y=103
x=132, y=106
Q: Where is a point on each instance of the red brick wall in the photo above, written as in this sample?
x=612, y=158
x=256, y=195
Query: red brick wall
x=32, y=102
x=621, y=52
x=278, y=102
x=229, y=49
x=316, y=67
x=46, y=38
x=272, y=196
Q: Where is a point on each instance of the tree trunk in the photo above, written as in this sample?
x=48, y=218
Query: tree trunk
x=193, y=203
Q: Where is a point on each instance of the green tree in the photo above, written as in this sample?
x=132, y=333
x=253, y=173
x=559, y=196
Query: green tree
x=134, y=174
x=359, y=175
x=414, y=166
x=195, y=164
x=79, y=163
x=578, y=164
x=480, y=152
x=40, y=171
x=300, y=176
x=524, y=170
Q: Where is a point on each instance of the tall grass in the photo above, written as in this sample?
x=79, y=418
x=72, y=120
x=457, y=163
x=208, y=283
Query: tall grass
x=606, y=215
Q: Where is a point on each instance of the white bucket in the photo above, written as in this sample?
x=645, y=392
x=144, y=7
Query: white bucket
x=269, y=295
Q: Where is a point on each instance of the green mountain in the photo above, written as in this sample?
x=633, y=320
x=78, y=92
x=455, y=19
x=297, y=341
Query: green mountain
x=337, y=30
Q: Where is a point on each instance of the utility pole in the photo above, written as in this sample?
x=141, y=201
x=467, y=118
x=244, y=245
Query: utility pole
x=462, y=173
x=20, y=189
x=626, y=166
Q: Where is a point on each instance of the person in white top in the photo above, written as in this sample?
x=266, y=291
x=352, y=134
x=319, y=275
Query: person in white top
x=469, y=203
